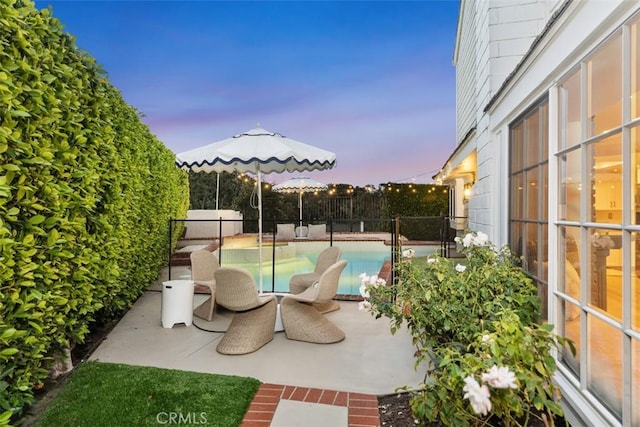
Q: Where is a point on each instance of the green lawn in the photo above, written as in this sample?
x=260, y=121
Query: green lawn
x=111, y=395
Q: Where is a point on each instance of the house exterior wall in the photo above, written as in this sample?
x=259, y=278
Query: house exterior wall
x=512, y=28
x=501, y=32
x=513, y=69
x=466, y=62
x=582, y=27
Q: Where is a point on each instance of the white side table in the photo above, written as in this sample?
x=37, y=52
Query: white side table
x=177, y=302
x=279, y=327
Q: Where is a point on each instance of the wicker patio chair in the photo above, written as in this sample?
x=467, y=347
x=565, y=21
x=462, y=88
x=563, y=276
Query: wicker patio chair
x=301, y=282
x=254, y=318
x=302, y=321
x=203, y=267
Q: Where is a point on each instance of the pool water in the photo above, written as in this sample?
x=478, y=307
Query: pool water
x=362, y=257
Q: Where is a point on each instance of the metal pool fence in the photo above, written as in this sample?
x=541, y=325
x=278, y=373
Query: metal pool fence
x=396, y=232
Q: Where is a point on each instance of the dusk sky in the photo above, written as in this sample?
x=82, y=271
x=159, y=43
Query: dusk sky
x=371, y=81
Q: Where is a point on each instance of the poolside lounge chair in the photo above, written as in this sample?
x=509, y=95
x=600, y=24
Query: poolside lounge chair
x=302, y=321
x=301, y=282
x=253, y=322
x=203, y=266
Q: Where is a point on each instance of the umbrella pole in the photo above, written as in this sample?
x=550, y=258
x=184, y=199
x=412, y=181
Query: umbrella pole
x=260, y=225
x=217, y=190
x=300, y=205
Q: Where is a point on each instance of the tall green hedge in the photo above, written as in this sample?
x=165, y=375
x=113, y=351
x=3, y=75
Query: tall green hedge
x=421, y=206
x=86, y=192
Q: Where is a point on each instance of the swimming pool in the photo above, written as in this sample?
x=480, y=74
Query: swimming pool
x=300, y=257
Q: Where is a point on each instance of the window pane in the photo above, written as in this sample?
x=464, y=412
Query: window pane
x=571, y=330
x=569, y=267
x=635, y=164
x=532, y=190
x=570, y=186
x=573, y=242
x=605, y=363
x=635, y=281
x=569, y=122
x=605, y=279
x=604, y=88
x=606, y=180
x=532, y=138
x=544, y=130
x=635, y=70
x=531, y=248
x=635, y=381
x=544, y=187
x=517, y=147
x=545, y=253
x=516, y=238
x=517, y=195
x=538, y=262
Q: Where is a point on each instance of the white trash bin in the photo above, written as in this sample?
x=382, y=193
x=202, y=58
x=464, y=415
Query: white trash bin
x=177, y=302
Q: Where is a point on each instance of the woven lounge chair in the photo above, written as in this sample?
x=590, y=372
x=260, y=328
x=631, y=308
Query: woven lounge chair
x=254, y=318
x=301, y=282
x=302, y=321
x=203, y=267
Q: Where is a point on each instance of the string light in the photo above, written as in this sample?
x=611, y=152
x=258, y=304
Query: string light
x=413, y=178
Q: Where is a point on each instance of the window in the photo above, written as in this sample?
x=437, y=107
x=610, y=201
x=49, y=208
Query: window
x=529, y=181
x=598, y=224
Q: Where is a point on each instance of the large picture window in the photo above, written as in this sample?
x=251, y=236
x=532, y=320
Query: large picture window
x=597, y=297
x=529, y=181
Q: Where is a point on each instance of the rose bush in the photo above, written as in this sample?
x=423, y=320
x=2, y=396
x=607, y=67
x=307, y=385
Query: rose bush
x=474, y=323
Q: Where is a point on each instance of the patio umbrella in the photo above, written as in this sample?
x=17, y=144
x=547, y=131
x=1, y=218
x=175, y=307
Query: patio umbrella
x=299, y=185
x=256, y=151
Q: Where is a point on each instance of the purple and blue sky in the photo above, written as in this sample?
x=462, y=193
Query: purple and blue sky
x=371, y=81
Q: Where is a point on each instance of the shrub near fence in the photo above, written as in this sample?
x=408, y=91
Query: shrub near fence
x=474, y=326
x=86, y=192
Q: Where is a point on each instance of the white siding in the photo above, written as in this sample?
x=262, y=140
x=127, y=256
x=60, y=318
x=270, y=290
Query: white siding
x=505, y=31
x=483, y=69
x=513, y=25
x=493, y=38
x=465, y=74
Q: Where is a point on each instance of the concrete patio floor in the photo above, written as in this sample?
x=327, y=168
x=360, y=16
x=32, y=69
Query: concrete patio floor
x=333, y=385
x=370, y=359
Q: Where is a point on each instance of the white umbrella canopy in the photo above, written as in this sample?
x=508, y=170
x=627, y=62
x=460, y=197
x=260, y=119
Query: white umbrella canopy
x=256, y=151
x=299, y=185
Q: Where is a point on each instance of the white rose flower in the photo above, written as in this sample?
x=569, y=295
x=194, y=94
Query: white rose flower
x=486, y=339
x=364, y=305
x=500, y=377
x=364, y=292
x=409, y=253
x=481, y=239
x=478, y=396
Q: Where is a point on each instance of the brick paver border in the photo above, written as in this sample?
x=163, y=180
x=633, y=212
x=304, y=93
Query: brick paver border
x=362, y=408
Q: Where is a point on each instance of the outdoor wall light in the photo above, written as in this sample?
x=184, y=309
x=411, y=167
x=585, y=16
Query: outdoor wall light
x=467, y=190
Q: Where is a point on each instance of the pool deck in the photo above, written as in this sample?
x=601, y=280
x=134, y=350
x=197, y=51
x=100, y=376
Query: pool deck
x=302, y=383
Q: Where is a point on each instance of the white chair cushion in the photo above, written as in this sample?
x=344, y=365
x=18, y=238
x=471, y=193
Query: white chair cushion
x=285, y=231
x=317, y=231
x=302, y=231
